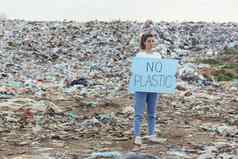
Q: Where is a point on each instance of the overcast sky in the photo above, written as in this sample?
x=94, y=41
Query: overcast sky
x=157, y=10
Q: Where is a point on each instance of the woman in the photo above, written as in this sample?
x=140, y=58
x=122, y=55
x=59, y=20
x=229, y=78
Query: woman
x=147, y=43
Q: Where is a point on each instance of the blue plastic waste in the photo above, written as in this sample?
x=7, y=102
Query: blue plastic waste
x=111, y=155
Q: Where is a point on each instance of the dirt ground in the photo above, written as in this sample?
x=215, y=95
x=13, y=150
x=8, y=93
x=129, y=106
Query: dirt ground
x=179, y=121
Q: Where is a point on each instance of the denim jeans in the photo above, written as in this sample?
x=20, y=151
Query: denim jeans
x=140, y=98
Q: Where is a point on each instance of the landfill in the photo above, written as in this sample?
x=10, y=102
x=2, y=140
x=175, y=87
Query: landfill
x=64, y=90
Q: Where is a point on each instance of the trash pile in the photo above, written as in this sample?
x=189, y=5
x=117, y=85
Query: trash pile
x=98, y=53
x=63, y=86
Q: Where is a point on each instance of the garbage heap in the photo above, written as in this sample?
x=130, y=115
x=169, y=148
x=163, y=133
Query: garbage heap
x=95, y=55
x=52, y=73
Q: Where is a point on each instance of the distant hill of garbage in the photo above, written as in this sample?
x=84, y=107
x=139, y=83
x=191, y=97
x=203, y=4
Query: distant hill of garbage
x=67, y=50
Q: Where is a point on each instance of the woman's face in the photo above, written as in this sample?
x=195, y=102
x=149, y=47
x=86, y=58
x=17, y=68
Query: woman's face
x=149, y=43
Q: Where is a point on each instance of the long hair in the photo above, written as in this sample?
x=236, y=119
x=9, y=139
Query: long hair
x=143, y=39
